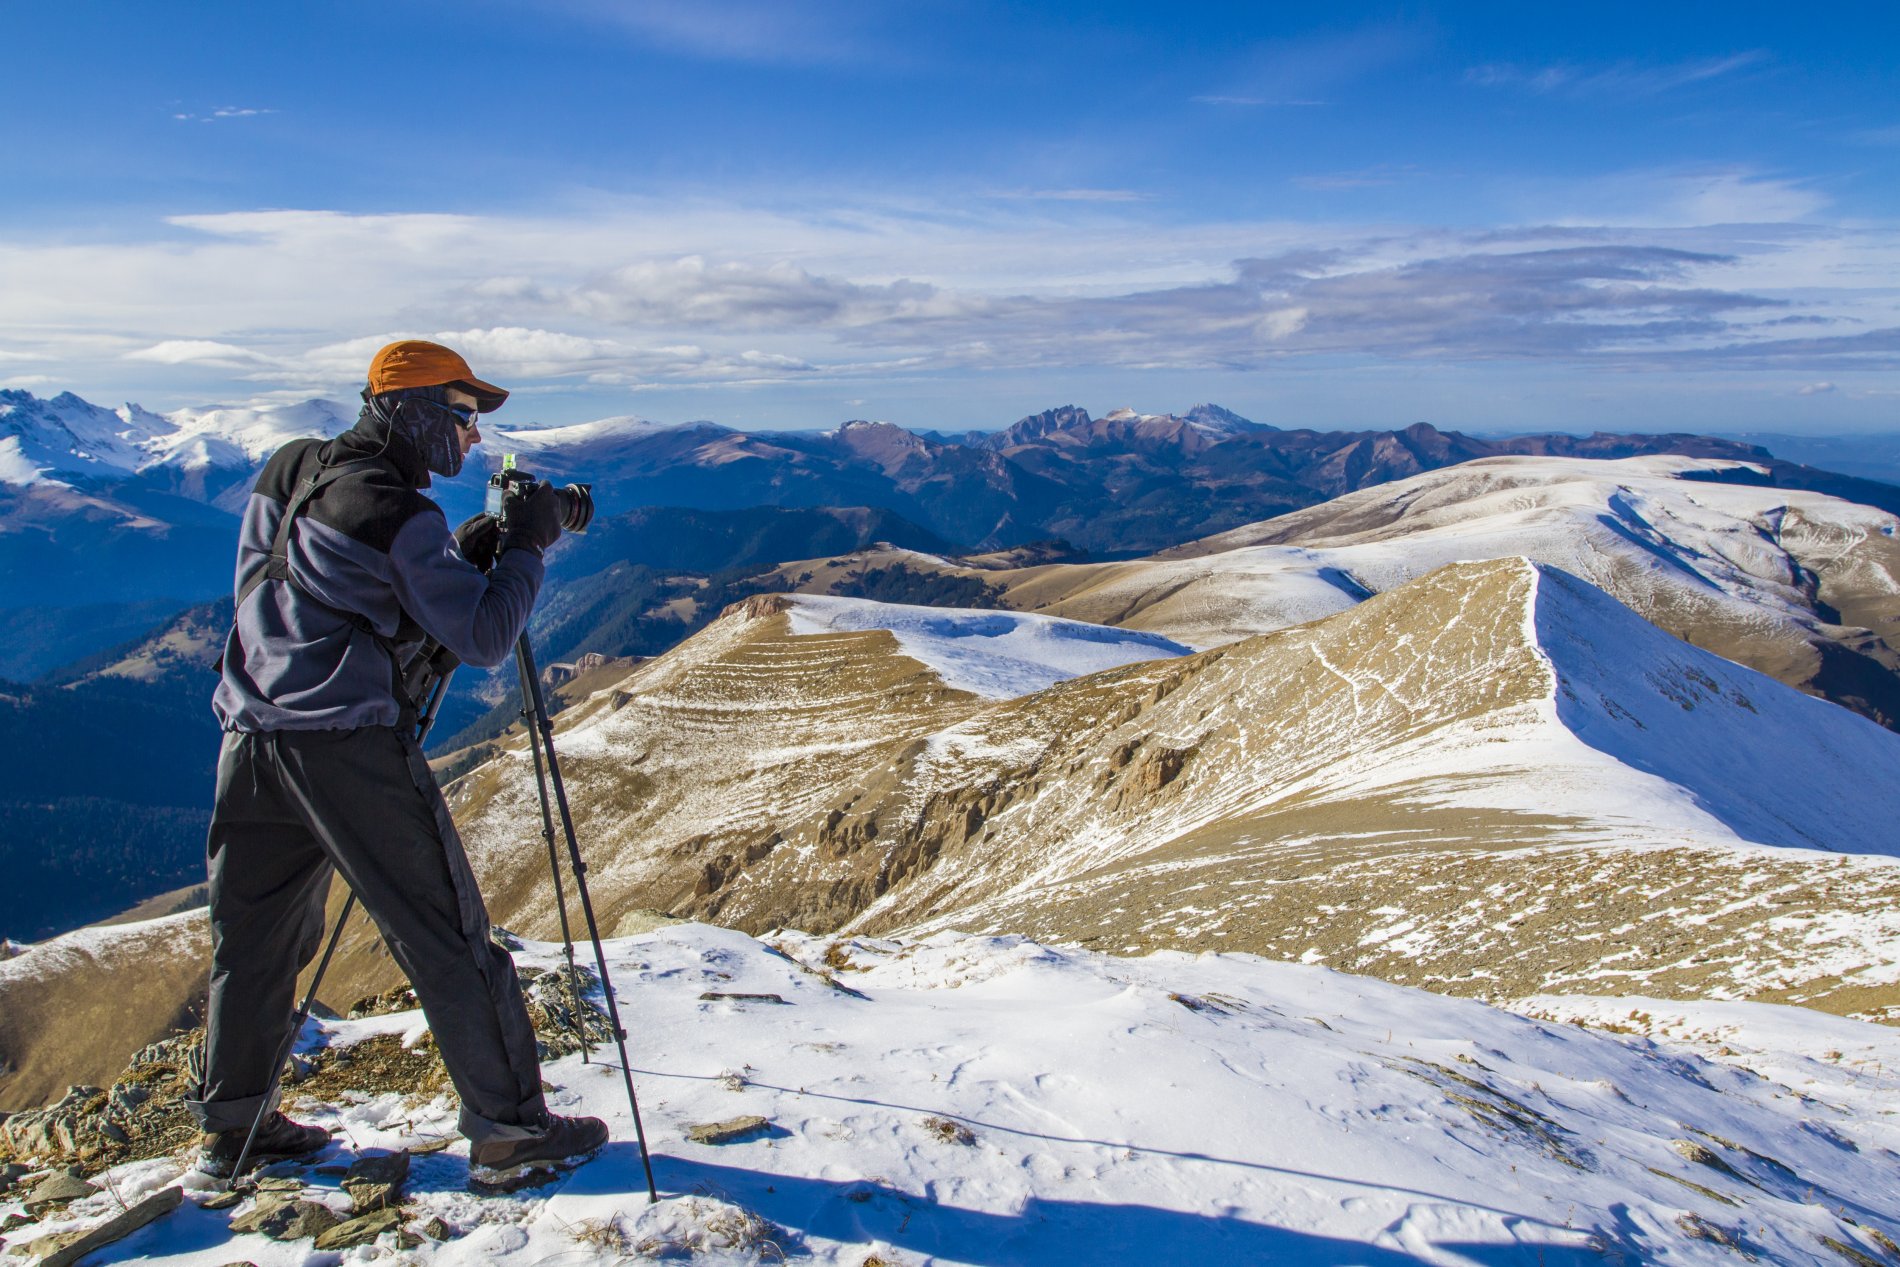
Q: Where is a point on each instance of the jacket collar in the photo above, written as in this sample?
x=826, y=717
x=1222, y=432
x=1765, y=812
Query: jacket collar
x=372, y=436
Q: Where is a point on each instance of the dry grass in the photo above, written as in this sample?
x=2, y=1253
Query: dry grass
x=708, y=1225
x=949, y=1132
x=604, y=1235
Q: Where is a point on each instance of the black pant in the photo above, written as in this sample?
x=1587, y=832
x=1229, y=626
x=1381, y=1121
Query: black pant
x=290, y=806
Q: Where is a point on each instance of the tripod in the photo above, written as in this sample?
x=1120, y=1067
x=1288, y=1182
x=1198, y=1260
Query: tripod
x=430, y=688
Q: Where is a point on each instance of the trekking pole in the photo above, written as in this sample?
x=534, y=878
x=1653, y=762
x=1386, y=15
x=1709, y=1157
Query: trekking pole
x=432, y=694
x=554, y=866
x=531, y=683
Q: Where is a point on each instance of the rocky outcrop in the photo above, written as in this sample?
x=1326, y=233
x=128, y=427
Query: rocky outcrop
x=142, y=1113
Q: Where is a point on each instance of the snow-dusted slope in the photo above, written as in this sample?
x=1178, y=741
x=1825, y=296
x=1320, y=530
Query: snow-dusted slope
x=1483, y=777
x=1798, y=585
x=997, y=654
x=579, y=446
x=73, y=1008
x=993, y=1101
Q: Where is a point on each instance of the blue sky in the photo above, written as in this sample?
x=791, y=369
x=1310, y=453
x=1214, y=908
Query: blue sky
x=769, y=214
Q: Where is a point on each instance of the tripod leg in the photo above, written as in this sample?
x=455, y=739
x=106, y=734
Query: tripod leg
x=433, y=706
x=531, y=683
x=290, y=1039
x=554, y=865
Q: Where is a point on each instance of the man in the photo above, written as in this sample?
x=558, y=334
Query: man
x=343, y=568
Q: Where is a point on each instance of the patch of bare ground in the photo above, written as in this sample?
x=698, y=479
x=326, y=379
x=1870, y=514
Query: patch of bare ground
x=1492, y=920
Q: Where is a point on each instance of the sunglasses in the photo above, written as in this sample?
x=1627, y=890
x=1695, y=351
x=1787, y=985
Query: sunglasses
x=465, y=417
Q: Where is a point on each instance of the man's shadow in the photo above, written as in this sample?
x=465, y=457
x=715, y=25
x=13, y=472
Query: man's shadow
x=1042, y=1232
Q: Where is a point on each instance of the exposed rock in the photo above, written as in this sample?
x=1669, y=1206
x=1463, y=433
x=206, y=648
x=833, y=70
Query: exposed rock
x=56, y=1189
x=375, y=1183
x=140, y=1115
x=65, y=1248
x=143, y=1113
x=730, y=1131
x=287, y=1219
x=1701, y=1155
x=436, y=1230
x=360, y=1230
x=559, y=1018
x=400, y=999
x=53, y=1130
x=641, y=920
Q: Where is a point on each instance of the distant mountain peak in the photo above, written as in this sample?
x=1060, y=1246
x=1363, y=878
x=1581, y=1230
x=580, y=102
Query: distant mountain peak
x=67, y=437
x=1216, y=418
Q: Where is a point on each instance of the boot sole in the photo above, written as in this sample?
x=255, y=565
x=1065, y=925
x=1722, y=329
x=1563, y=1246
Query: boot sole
x=496, y=1180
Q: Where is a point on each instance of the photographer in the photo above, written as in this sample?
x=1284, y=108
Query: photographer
x=343, y=569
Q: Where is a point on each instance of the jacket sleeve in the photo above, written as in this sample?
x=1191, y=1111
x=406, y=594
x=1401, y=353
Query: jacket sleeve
x=476, y=616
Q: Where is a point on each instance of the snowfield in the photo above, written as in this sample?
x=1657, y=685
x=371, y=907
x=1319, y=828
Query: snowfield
x=1659, y=533
x=996, y=654
x=993, y=1101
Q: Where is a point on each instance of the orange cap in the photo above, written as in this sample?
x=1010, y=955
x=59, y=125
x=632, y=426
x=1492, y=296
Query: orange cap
x=419, y=363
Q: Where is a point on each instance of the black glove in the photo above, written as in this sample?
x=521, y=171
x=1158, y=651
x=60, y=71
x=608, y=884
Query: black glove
x=478, y=539
x=532, y=519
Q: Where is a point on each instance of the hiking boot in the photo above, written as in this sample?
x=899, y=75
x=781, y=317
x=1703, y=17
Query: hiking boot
x=560, y=1142
x=278, y=1139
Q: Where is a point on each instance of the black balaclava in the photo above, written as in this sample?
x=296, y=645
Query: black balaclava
x=418, y=415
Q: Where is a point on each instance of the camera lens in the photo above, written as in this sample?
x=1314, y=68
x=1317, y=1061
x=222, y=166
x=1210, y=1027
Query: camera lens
x=577, y=504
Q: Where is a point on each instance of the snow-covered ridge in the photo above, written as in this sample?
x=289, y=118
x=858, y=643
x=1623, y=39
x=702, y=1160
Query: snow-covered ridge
x=969, y=1100
x=1659, y=533
x=65, y=437
x=996, y=654
x=577, y=441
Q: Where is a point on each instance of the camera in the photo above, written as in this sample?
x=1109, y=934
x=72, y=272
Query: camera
x=577, y=500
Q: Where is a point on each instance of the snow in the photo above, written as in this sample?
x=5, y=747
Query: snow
x=996, y=654
x=618, y=427
x=1773, y=765
x=1648, y=739
x=968, y=1100
x=55, y=440
x=1654, y=531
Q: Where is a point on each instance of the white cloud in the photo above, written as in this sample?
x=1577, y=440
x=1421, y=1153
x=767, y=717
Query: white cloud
x=1626, y=79
x=815, y=31
x=1073, y=195
x=222, y=112
x=1816, y=389
x=188, y=351
x=1674, y=198
x=636, y=293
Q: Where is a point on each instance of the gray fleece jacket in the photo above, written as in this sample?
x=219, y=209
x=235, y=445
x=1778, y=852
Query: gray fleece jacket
x=368, y=543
